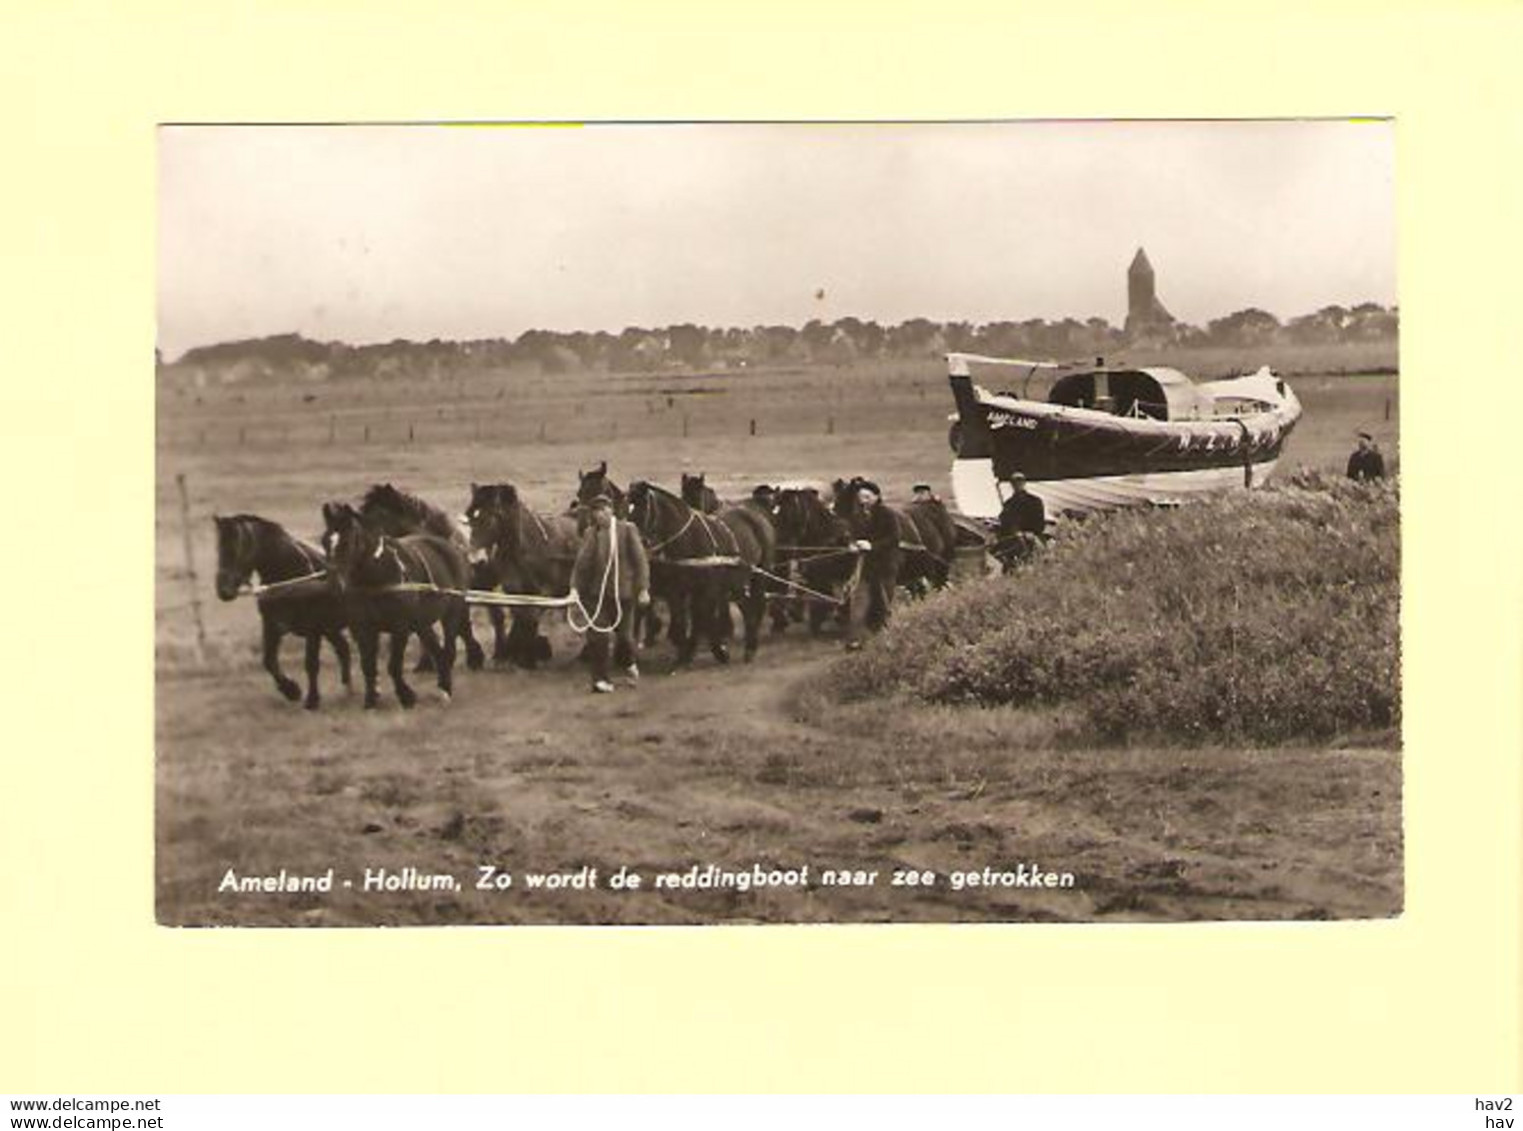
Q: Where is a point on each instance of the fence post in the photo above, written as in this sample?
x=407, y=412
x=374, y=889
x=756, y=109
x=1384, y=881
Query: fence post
x=541, y=431
x=830, y=426
x=753, y=426
x=1388, y=408
x=367, y=433
x=684, y=425
x=409, y=431
x=190, y=570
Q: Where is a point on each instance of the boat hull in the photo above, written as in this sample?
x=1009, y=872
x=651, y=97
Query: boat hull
x=976, y=489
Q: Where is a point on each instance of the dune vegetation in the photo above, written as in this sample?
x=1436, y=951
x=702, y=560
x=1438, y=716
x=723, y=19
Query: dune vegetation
x=1262, y=618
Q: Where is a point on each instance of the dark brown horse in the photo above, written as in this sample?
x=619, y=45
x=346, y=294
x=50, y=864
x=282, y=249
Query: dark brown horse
x=594, y=483
x=699, y=495
x=933, y=522
x=817, y=543
x=708, y=561
x=398, y=513
x=528, y=553
x=294, y=598
x=400, y=586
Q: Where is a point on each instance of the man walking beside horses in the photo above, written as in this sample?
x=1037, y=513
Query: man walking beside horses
x=876, y=534
x=611, y=578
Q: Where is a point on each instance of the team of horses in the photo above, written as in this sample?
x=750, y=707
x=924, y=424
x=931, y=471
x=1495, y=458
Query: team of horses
x=399, y=566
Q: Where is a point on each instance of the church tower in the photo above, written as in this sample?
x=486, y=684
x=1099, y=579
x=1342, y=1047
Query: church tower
x=1144, y=313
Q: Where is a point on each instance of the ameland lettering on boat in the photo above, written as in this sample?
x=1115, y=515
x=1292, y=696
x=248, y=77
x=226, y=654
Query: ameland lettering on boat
x=1114, y=436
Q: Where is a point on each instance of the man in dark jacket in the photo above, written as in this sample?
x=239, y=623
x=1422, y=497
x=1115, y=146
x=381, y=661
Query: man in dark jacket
x=876, y=533
x=1366, y=464
x=1022, y=524
x=611, y=577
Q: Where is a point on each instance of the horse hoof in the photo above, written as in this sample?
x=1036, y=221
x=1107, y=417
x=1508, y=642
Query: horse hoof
x=290, y=690
x=312, y=703
x=406, y=698
x=721, y=654
x=475, y=661
x=602, y=687
x=445, y=697
x=371, y=702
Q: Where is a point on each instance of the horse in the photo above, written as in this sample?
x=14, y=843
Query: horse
x=818, y=543
x=296, y=599
x=709, y=562
x=527, y=553
x=933, y=523
x=698, y=495
x=397, y=513
x=401, y=586
x=594, y=483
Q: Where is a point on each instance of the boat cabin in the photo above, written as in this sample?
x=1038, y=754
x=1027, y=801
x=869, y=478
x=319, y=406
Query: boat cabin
x=1159, y=393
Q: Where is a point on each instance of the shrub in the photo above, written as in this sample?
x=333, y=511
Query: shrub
x=1270, y=616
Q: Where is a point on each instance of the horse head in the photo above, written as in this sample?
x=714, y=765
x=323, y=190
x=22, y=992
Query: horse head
x=235, y=556
x=384, y=507
x=692, y=489
x=844, y=496
x=488, y=513
x=348, y=541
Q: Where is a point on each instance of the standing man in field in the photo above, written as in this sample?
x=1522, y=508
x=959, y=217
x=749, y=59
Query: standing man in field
x=876, y=534
x=1022, y=524
x=612, y=578
x=1366, y=465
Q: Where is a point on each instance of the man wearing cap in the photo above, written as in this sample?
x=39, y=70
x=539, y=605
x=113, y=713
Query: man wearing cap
x=595, y=585
x=876, y=537
x=923, y=494
x=1022, y=523
x=1366, y=464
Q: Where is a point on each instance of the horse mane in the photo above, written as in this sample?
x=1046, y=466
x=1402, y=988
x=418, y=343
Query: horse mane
x=428, y=517
x=256, y=519
x=659, y=490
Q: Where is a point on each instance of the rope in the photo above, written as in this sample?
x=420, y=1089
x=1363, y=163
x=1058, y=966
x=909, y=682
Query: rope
x=795, y=585
x=609, y=571
x=259, y=592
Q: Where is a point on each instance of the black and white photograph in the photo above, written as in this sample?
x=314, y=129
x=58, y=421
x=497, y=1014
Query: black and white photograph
x=705, y=523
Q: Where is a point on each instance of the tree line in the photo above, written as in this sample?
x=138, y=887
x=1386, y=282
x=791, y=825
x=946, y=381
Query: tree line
x=839, y=342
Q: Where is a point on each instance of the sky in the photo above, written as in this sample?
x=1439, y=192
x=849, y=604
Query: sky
x=369, y=233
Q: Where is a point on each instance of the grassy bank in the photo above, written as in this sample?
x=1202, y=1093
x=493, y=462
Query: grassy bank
x=1270, y=618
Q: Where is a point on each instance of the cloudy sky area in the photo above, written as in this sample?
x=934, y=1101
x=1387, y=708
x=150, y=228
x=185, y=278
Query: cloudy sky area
x=372, y=233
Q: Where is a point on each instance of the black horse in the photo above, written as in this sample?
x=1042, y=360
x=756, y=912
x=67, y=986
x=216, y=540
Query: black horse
x=938, y=534
x=401, y=586
x=817, y=542
x=397, y=514
x=296, y=598
x=594, y=483
x=708, y=562
x=699, y=495
x=526, y=553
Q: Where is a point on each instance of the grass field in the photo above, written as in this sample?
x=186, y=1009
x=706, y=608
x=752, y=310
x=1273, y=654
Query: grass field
x=726, y=766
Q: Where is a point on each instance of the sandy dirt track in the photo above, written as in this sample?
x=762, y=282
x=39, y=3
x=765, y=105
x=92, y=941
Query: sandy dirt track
x=528, y=772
